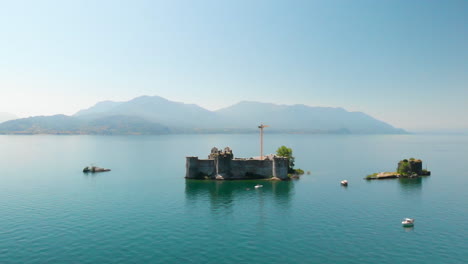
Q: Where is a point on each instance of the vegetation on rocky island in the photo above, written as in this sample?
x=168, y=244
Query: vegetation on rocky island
x=371, y=176
x=286, y=152
x=406, y=168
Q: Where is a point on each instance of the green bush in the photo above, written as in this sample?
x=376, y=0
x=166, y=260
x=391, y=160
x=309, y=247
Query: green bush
x=404, y=168
x=298, y=171
x=286, y=152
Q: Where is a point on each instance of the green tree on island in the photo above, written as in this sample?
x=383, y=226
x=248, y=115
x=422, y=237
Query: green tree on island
x=286, y=152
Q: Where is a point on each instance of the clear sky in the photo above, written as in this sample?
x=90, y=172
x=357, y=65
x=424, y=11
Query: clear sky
x=404, y=62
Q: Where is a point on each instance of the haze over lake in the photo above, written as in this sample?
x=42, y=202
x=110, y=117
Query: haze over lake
x=144, y=211
x=352, y=87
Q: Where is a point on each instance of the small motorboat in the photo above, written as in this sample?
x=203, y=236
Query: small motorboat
x=408, y=222
x=344, y=182
x=258, y=186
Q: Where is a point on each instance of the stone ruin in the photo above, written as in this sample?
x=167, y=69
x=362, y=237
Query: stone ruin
x=412, y=166
x=221, y=164
x=216, y=153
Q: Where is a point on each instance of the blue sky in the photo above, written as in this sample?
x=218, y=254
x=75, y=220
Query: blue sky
x=404, y=62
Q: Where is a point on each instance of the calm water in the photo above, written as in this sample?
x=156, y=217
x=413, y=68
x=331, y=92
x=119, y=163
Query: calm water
x=144, y=211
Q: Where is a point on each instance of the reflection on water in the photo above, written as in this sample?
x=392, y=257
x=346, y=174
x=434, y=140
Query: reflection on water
x=224, y=194
x=407, y=185
x=89, y=175
x=410, y=183
x=409, y=229
x=411, y=186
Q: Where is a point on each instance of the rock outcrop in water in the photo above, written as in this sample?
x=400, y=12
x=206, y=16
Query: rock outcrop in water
x=94, y=169
x=406, y=168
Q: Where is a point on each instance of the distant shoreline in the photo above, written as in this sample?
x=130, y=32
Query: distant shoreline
x=104, y=133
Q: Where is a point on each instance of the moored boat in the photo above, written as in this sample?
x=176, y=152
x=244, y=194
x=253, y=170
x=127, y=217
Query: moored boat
x=408, y=222
x=344, y=182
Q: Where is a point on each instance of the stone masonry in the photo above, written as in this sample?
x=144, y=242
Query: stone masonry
x=221, y=164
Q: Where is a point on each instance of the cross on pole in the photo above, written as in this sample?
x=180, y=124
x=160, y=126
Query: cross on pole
x=261, y=126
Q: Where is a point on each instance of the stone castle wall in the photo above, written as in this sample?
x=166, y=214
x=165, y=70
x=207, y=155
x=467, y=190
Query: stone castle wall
x=236, y=169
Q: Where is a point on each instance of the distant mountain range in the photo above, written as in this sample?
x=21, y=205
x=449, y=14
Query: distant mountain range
x=155, y=109
x=6, y=116
x=62, y=124
x=156, y=115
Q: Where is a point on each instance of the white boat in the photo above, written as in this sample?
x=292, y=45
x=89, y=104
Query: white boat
x=408, y=222
x=344, y=182
x=258, y=186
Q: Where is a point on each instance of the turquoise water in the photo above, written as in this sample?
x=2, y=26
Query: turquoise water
x=144, y=211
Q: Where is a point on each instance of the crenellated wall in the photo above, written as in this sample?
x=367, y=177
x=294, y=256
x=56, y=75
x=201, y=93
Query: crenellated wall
x=236, y=169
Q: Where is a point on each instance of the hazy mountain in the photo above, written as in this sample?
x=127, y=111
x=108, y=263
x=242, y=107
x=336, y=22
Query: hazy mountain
x=156, y=115
x=41, y=125
x=123, y=125
x=155, y=109
x=6, y=116
x=98, y=109
x=302, y=118
x=62, y=124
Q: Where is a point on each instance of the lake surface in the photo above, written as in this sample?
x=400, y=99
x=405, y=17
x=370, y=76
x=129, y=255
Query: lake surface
x=144, y=211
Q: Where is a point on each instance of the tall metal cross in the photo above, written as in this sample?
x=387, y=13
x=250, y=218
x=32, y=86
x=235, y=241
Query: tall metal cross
x=261, y=126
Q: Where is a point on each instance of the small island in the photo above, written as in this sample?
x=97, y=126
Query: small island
x=407, y=168
x=221, y=165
